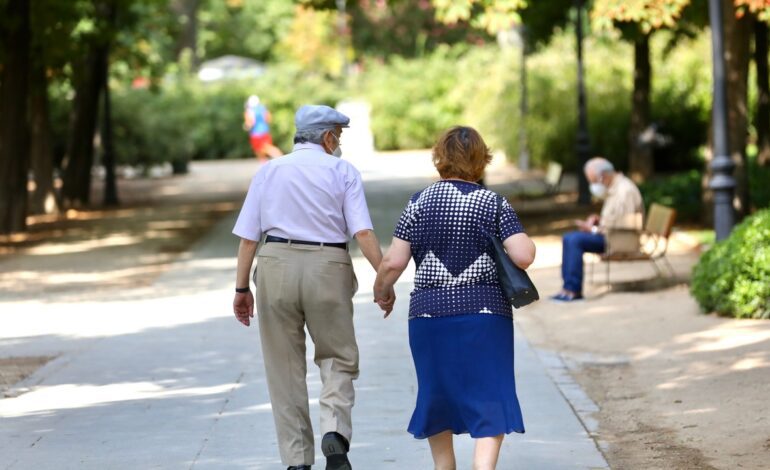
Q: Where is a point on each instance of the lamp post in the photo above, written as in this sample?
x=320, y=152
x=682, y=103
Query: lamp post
x=722, y=181
x=583, y=142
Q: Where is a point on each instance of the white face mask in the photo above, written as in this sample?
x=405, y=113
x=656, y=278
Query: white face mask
x=598, y=189
x=337, y=152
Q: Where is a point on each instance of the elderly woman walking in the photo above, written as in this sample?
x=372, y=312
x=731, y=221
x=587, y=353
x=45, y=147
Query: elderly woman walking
x=460, y=324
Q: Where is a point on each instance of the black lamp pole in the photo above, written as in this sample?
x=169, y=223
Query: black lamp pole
x=722, y=181
x=583, y=142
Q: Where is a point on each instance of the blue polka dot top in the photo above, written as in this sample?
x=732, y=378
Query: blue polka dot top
x=445, y=225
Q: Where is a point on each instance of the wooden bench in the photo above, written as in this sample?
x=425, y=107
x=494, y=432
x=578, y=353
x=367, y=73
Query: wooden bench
x=648, y=244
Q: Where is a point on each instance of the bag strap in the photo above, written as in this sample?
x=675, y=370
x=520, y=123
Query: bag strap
x=497, y=214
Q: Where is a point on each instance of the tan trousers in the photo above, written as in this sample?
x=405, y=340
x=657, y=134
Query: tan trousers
x=313, y=286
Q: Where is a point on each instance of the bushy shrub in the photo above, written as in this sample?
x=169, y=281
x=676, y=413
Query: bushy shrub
x=413, y=100
x=682, y=191
x=187, y=119
x=733, y=277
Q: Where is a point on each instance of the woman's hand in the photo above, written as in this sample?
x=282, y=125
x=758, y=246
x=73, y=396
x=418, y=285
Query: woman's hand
x=393, y=264
x=386, y=301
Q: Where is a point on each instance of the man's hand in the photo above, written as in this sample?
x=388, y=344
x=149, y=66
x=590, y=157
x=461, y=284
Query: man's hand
x=243, y=307
x=585, y=225
x=386, y=302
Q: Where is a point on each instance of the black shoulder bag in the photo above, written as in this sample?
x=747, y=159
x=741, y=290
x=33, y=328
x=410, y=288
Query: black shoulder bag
x=515, y=282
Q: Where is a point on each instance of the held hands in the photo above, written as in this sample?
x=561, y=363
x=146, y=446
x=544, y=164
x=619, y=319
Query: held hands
x=385, y=300
x=243, y=307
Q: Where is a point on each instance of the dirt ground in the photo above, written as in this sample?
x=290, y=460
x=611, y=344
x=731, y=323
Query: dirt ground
x=676, y=389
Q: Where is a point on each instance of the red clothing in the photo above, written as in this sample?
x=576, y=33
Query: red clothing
x=260, y=141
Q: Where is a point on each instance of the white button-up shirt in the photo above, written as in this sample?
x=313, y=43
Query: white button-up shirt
x=305, y=195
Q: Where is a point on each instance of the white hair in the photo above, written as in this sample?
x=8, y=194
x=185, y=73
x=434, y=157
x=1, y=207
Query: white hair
x=252, y=101
x=314, y=136
x=599, y=166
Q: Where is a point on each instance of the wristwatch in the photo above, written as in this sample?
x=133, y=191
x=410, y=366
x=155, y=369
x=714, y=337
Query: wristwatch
x=594, y=230
x=241, y=290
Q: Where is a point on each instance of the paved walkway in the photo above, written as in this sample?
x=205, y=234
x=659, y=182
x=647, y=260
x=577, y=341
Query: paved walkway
x=173, y=381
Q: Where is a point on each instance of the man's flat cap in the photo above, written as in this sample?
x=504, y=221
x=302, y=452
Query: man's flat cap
x=311, y=116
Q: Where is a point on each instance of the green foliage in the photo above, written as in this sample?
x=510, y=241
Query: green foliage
x=189, y=120
x=759, y=7
x=407, y=29
x=247, y=28
x=413, y=100
x=733, y=277
x=491, y=15
x=648, y=14
x=681, y=191
x=759, y=176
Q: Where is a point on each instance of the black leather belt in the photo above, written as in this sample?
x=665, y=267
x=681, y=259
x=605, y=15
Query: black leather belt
x=272, y=239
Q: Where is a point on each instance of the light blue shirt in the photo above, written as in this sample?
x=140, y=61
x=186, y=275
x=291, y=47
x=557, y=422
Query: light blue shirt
x=306, y=195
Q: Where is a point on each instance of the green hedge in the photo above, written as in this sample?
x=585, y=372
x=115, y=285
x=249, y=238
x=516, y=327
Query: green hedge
x=733, y=277
x=681, y=191
x=414, y=100
x=185, y=119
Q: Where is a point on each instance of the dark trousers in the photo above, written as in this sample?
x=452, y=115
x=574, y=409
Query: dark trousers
x=574, y=244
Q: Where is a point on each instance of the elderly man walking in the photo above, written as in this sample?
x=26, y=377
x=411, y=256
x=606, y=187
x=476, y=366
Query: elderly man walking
x=303, y=208
x=622, y=208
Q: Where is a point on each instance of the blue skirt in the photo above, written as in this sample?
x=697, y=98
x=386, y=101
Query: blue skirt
x=465, y=380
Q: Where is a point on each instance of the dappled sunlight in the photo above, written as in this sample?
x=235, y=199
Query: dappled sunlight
x=696, y=411
x=645, y=352
x=266, y=407
x=548, y=253
x=169, y=224
x=118, y=239
x=750, y=363
x=735, y=334
x=54, y=278
x=70, y=396
x=87, y=319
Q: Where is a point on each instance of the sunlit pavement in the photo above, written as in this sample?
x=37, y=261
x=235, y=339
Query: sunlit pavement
x=171, y=380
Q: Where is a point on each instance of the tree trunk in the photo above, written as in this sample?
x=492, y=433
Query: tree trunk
x=738, y=33
x=762, y=119
x=80, y=153
x=108, y=156
x=640, y=162
x=43, y=198
x=187, y=12
x=14, y=143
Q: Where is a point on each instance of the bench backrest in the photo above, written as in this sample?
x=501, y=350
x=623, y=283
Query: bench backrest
x=553, y=174
x=660, y=220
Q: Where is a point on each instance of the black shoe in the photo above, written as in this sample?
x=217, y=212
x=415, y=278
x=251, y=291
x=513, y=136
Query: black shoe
x=299, y=467
x=335, y=449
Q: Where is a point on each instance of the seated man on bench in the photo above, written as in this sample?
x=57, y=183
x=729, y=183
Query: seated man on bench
x=622, y=203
